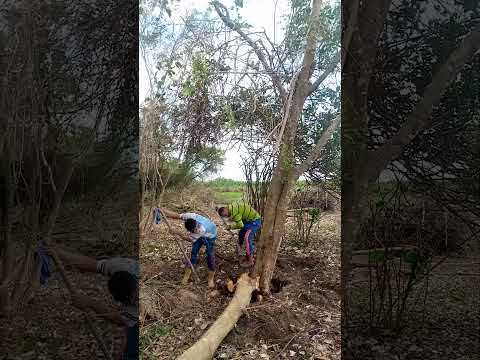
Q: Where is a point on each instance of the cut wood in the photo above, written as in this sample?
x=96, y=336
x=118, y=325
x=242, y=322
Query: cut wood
x=205, y=347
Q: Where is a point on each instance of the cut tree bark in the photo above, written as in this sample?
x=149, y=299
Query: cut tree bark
x=205, y=347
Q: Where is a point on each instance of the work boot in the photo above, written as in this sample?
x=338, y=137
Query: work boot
x=211, y=283
x=186, y=276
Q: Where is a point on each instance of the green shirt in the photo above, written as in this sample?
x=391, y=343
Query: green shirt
x=240, y=213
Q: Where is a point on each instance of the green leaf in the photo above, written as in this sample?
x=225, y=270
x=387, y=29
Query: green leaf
x=188, y=90
x=314, y=213
x=229, y=115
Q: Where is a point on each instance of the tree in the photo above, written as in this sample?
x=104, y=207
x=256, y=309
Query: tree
x=287, y=170
x=285, y=173
x=180, y=132
x=362, y=166
x=60, y=85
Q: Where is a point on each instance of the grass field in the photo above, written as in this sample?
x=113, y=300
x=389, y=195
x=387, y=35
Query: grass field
x=226, y=191
x=228, y=197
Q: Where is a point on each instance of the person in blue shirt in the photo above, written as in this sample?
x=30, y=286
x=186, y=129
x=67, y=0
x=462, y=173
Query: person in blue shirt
x=201, y=232
x=123, y=274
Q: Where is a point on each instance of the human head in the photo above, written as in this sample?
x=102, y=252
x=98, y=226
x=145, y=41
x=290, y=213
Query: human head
x=123, y=287
x=191, y=225
x=223, y=212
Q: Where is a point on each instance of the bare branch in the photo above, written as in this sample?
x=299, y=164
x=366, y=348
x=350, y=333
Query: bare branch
x=319, y=146
x=421, y=117
x=223, y=14
x=309, y=53
x=330, y=68
x=286, y=113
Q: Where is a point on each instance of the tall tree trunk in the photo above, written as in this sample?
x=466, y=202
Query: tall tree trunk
x=282, y=181
x=364, y=25
x=273, y=228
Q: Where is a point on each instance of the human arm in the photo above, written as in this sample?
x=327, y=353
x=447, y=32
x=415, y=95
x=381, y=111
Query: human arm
x=170, y=214
x=183, y=236
x=83, y=302
x=81, y=262
x=238, y=223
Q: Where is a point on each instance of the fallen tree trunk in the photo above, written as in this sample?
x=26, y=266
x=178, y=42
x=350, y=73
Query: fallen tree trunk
x=206, y=346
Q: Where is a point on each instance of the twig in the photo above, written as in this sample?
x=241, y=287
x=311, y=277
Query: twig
x=286, y=346
x=70, y=286
x=293, y=338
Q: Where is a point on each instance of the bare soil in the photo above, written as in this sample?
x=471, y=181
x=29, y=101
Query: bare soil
x=442, y=322
x=301, y=321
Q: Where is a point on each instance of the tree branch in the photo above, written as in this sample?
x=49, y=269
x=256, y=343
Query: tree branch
x=298, y=91
x=421, y=117
x=351, y=25
x=310, y=49
x=325, y=74
x=319, y=146
x=224, y=16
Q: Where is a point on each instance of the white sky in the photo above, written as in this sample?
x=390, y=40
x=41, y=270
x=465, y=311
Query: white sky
x=262, y=16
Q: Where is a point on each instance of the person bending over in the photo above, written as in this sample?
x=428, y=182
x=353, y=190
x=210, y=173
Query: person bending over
x=123, y=274
x=201, y=232
x=249, y=221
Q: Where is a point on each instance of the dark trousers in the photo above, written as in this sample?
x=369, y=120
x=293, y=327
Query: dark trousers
x=210, y=245
x=247, y=234
x=132, y=352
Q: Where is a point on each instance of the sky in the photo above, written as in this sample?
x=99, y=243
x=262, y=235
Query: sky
x=262, y=15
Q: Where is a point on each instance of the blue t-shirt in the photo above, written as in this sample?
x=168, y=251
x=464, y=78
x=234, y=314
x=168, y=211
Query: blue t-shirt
x=206, y=229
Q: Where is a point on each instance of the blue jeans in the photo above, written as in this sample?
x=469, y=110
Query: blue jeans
x=210, y=245
x=247, y=234
x=131, y=352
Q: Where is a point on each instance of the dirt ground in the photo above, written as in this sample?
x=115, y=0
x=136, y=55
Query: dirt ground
x=443, y=324
x=48, y=326
x=301, y=321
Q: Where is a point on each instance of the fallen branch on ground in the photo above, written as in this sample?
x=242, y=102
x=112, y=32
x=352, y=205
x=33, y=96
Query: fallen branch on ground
x=205, y=347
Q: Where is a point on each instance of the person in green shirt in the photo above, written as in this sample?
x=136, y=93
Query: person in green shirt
x=249, y=221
